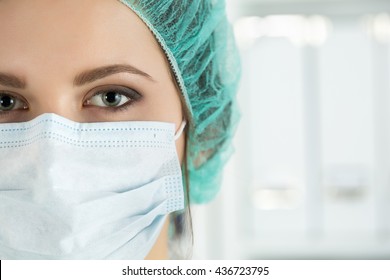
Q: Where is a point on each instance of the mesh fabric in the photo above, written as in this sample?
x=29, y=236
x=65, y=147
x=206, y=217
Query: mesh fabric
x=198, y=42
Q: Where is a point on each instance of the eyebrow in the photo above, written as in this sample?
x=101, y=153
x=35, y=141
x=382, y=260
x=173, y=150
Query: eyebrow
x=92, y=75
x=9, y=80
x=88, y=76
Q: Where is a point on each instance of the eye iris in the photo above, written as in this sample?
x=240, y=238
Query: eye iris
x=6, y=102
x=112, y=98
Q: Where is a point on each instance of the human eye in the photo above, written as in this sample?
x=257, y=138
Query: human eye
x=112, y=97
x=10, y=102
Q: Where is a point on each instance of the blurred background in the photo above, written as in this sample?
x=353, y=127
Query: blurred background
x=310, y=178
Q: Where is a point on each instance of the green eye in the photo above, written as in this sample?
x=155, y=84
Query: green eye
x=9, y=102
x=113, y=97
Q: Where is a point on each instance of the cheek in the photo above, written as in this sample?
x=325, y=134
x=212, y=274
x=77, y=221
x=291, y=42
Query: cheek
x=165, y=105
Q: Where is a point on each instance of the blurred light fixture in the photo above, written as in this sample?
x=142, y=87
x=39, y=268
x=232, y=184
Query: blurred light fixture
x=277, y=198
x=298, y=29
x=346, y=182
x=378, y=27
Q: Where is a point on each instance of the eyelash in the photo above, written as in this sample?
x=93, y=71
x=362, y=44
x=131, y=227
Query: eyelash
x=19, y=100
x=129, y=93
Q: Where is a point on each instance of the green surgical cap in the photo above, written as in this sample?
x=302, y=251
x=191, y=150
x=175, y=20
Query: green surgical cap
x=198, y=42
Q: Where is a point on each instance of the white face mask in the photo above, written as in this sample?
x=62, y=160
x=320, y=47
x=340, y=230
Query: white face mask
x=86, y=190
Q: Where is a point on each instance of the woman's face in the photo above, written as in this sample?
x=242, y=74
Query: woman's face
x=88, y=61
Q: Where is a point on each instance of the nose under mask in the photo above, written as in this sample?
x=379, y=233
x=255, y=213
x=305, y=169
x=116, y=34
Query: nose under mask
x=86, y=190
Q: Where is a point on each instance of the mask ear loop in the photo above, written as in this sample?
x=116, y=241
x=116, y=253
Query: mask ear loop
x=180, y=130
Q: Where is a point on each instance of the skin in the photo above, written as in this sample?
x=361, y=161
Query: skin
x=47, y=44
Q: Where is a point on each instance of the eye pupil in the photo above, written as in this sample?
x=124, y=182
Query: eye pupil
x=6, y=102
x=112, y=98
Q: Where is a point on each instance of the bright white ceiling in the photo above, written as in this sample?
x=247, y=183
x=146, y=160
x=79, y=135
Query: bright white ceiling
x=304, y=1
x=327, y=7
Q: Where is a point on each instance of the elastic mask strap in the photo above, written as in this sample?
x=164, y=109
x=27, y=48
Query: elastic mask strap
x=179, y=132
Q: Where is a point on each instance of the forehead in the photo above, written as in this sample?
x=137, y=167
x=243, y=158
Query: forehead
x=77, y=31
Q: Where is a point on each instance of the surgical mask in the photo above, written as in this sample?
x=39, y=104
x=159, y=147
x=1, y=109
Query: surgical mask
x=86, y=190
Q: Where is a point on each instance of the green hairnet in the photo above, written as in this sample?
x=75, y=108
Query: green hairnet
x=198, y=42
